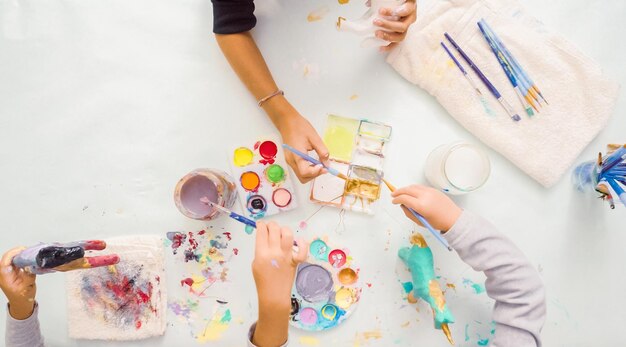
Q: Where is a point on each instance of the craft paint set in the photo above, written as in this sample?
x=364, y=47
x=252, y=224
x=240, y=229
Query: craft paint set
x=326, y=290
x=262, y=178
x=357, y=150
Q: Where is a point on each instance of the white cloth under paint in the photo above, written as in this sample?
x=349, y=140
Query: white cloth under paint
x=100, y=321
x=581, y=98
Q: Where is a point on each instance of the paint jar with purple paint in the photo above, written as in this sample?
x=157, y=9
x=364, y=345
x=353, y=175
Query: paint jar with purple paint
x=215, y=185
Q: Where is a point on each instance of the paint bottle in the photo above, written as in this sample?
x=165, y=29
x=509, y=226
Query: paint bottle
x=457, y=168
x=213, y=184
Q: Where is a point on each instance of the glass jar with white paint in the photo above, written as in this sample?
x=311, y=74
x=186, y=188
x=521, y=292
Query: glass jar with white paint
x=457, y=168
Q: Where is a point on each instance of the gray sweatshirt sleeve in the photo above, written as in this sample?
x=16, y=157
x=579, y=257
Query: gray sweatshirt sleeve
x=23, y=333
x=512, y=281
x=251, y=334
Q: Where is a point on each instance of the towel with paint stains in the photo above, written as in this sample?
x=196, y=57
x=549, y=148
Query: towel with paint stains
x=544, y=147
x=122, y=302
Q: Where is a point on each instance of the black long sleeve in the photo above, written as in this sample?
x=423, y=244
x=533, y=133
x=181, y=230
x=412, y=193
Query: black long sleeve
x=233, y=16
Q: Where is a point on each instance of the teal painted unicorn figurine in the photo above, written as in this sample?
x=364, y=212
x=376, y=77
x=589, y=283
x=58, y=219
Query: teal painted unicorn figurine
x=419, y=259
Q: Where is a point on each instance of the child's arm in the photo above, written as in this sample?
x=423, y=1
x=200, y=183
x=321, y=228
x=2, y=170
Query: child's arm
x=274, y=268
x=520, y=309
x=22, y=327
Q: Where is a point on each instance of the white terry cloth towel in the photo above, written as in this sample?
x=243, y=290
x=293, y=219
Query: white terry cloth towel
x=580, y=97
x=123, y=302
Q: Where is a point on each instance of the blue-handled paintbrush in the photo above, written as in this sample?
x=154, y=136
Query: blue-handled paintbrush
x=422, y=220
x=507, y=69
x=507, y=107
x=314, y=161
x=230, y=213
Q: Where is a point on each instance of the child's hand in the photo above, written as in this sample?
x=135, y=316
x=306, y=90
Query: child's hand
x=274, y=269
x=275, y=263
x=18, y=286
x=438, y=209
x=297, y=132
x=396, y=24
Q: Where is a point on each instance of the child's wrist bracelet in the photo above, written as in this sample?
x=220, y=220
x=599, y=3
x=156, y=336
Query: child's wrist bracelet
x=263, y=100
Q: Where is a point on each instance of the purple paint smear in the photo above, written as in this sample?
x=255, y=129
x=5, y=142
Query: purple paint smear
x=313, y=282
x=194, y=190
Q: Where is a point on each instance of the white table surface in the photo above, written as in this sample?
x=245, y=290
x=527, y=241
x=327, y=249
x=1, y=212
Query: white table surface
x=106, y=104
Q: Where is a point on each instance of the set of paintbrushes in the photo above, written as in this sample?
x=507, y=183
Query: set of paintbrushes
x=527, y=91
x=610, y=173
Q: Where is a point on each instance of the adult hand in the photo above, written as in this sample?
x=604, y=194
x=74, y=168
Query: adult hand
x=297, y=132
x=396, y=23
x=18, y=286
x=436, y=207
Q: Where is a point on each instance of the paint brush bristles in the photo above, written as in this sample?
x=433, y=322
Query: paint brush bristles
x=422, y=220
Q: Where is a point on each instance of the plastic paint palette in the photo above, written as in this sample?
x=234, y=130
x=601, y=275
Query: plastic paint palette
x=357, y=150
x=262, y=178
x=326, y=290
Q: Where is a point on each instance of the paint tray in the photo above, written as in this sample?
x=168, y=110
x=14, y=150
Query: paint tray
x=355, y=146
x=263, y=178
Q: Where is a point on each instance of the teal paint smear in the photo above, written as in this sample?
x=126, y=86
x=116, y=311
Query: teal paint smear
x=420, y=261
x=488, y=110
x=226, y=318
x=408, y=287
x=483, y=342
x=478, y=288
x=466, y=333
x=249, y=229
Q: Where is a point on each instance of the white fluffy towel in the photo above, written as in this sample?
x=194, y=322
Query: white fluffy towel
x=580, y=97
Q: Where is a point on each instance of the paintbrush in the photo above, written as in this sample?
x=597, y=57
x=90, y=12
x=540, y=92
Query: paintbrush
x=522, y=74
x=507, y=69
x=507, y=107
x=422, y=220
x=314, y=161
x=465, y=74
x=230, y=213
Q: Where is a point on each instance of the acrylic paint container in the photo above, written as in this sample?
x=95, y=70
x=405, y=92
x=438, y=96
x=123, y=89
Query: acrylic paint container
x=215, y=185
x=457, y=168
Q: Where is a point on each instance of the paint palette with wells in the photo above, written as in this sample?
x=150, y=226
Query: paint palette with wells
x=326, y=290
x=357, y=150
x=262, y=177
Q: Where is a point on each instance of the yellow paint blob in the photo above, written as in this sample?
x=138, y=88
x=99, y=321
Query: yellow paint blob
x=250, y=181
x=215, y=327
x=243, y=156
x=343, y=2
x=309, y=341
x=344, y=298
x=339, y=137
x=317, y=14
x=347, y=276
